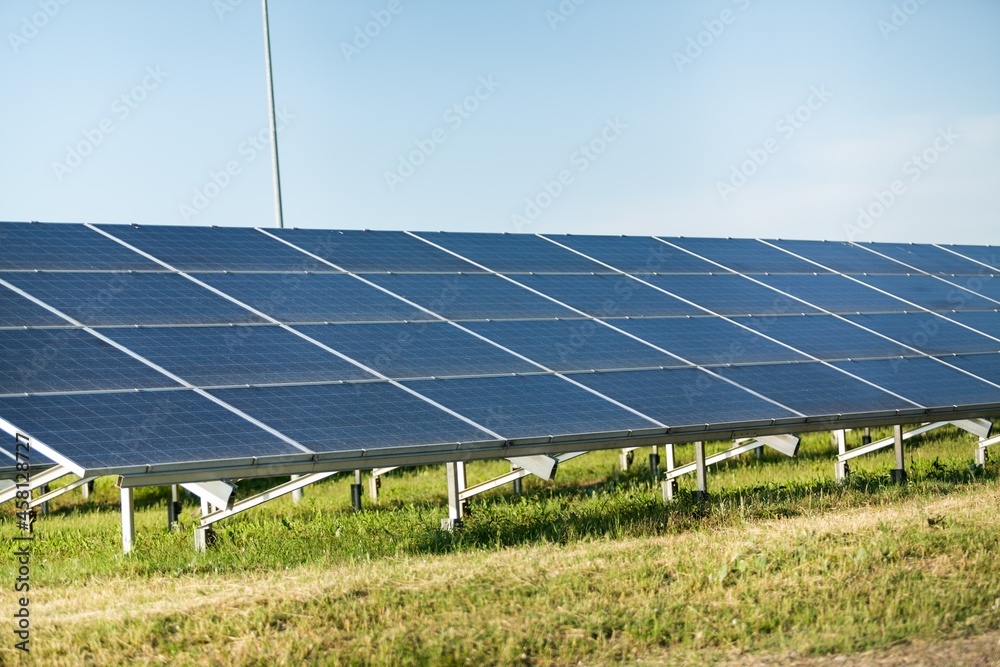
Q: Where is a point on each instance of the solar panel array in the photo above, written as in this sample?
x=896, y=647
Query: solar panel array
x=126, y=349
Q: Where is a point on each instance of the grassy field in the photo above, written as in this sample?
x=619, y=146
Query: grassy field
x=780, y=566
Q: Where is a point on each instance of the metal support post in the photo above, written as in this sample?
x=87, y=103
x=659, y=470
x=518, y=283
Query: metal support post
x=87, y=489
x=700, y=472
x=518, y=485
x=374, y=484
x=128, y=520
x=454, y=520
x=670, y=485
x=297, y=493
x=625, y=459
x=899, y=473
x=204, y=536
x=44, y=508
x=174, y=507
x=841, y=470
x=356, y=491
x=866, y=437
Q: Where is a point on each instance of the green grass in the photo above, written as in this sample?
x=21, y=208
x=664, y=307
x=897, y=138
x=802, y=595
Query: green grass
x=593, y=567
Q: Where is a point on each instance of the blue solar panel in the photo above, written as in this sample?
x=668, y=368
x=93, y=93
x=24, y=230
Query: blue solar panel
x=130, y=298
x=836, y=294
x=814, y=389
x=932, y=334
x=926, y=258
x=608, y=296
x=215, y=248
x=375, y=251
x=636, y=254
x=986, y=366
x=730, y=295
x=929, y=292
x=984, y=321
x=44, y=360
x=924, y=380
x=567, y=345
x=826, y=337
x=214, y=356
x=49, y=246
x=982, y=254
x=16, y=311
x=842, y=257
x=514, y=253
x=417, y=349
x=471, y=296
x=745, y=255
x=345, y=417
x=986, y=285
x=116, y=430
x=530, y=406
x=9, y=456
x=712, y=340
x=683, y=397
x=314, y=297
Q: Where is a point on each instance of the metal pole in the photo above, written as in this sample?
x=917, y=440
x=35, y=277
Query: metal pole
x=899, y=473
x=702, y=481
x=279, y=215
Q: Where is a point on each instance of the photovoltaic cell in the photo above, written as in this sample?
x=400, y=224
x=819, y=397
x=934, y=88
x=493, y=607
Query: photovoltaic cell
x=568, y=345
x=514, y=253
x=982, y=254
x=984, y=321
x=530, y=406
x=986, y=285
x=814, y=389
x=932, y=334
x=842, y=256
x=16, y=311
x=112, y=431
x=215, y=248
x=8, y=456
x=635, y=254
x=223, y=356
x=314, y=297
x=683, y=397
x=929, y=292
x=130, y=298
x=50, y=246
x=375, y=251
x=471, y=296
x=926, y=257
x=745, y=255
x=836, y=294
x=986, y=366
x=47, y=360
x=417, y=349
x=729, y=294
x=712, y=340
x=608, y=296
x=826, y=337
x=367, y=415
x=925, y=381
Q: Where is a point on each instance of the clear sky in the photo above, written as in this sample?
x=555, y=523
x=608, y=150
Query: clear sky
x=722, y=118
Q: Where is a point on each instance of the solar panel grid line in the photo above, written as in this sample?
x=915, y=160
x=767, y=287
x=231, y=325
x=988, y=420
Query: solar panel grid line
x=622, y=331
x=498, y=345
x=311, y=340
x=964, y=256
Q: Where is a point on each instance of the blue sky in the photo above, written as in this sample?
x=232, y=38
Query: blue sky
x=723, y=118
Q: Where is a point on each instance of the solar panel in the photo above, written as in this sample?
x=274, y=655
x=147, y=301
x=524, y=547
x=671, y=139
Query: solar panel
x=47, y=246
x=729, y=294
x=314, y=297
x=514, y=253
x=471, y=296
x=987, y=254
x=57, y=360
x=986, y=366
x=530, y=405
x=683, y=397
x=16, y=311
x=826, y=337
x=836, y=294
x=929, y=292
x=932, y=334
x=417, y=349
x=115, y=431
x=986, y=322
x=745, y=255
x=608, y=296
x=925, y=381
x=129, y=298
x=215, y=248
x=344, y=417
x=374, y=251
x=926, y=258
x=569, y=345
x=986, y=285
x=712, y=340
x=842, y=257
x=239, y=355
x=635, y=254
